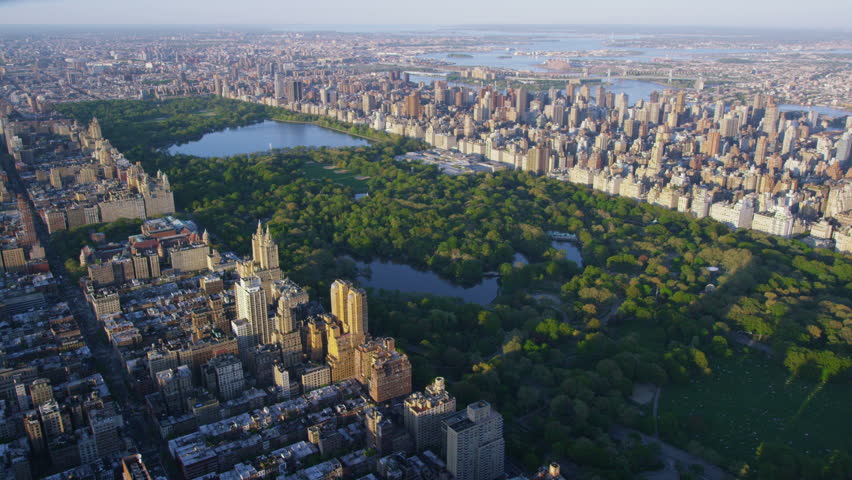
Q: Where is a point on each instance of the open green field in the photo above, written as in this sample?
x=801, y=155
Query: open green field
x=319, y=171
x=748, y=399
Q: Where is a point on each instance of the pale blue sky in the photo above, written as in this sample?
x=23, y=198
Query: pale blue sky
x=762, y=13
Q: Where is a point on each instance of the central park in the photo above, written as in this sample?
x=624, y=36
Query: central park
x=744, y=337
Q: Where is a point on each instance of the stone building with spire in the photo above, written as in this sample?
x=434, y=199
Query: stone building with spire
x=264, y=260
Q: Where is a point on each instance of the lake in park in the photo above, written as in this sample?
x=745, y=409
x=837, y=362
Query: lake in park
x=264, y=136
x=397, y=276
x=570, y=250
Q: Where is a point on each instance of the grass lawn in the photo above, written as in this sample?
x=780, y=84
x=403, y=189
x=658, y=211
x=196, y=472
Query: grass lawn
x=315, y=170
x=748, y=399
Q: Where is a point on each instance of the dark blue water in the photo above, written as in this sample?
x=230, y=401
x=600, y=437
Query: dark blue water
x=396, y=276
x=570, y=250
x=263, y=136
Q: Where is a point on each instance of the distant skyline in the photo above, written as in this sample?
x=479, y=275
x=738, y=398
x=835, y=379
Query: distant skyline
x=825, y=14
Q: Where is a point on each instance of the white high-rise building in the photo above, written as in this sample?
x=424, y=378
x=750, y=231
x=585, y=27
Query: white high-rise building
x=246, y=340
x=424, y=412
x=251, y=307
x=844, y=147
x=473, y=443
x=224, y=375
x=736, y=215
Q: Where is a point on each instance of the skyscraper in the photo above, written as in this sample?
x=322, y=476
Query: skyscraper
x=264, y=250
x=246, y=341
x=32, y=426
x=770, y=119
x=473, y=442
x=293, y=90
x=712, y=144
x=789, y=140
x=356, y=312
x=844, y=147
x=278, y=85
x=264, y=263
x=349, y=306
x=413, y=108
x=760, y=151
x=251, y=307
x=522, y=104
x=290, y=298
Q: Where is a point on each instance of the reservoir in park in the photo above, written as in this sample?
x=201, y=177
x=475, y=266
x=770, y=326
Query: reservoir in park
x=264, y=136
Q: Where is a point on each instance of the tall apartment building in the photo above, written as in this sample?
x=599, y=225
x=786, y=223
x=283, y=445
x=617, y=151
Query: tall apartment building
x=32, y=425
x=86, y=446
x=262, y=363
x=702, y=199
x=264, y=250
x=381, y=370
x=737, y=215
x=224, y=375
x=281, y=379
x=424, y=412
x=349, y=306
x=14, y=260
x=251, y=307
x=264, y=262
x=160, y=359
x=345, y=329
x=175, y=387
x=290, y=297
x=157, y=195
x=40, y=391
x=51, y=418
x=340, y=355
x=246, y=340
x=839, y=198
x=54, y=219
x=293, y=90
x=104, y=425
x=146, y=265
x=473, y=442
x=778, y=222
x=105, y=302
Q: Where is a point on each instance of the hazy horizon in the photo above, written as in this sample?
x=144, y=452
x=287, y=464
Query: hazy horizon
x=824, y=15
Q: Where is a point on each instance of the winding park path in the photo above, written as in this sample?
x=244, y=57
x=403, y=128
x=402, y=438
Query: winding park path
x=671, y=456
x=752, y=343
